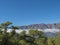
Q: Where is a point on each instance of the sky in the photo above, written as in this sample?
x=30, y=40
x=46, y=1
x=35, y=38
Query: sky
x=25, y=12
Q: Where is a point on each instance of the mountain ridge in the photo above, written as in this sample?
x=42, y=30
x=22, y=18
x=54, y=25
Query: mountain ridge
x=41, y=26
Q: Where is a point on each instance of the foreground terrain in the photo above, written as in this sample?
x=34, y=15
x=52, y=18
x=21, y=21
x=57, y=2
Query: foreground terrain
x=30, y=37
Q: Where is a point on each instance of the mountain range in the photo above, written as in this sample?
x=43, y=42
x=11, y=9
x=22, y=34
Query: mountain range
x=50, y=30
x=41, y=26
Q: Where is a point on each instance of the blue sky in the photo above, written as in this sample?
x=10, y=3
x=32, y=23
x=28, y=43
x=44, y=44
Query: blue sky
x=25, y=12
